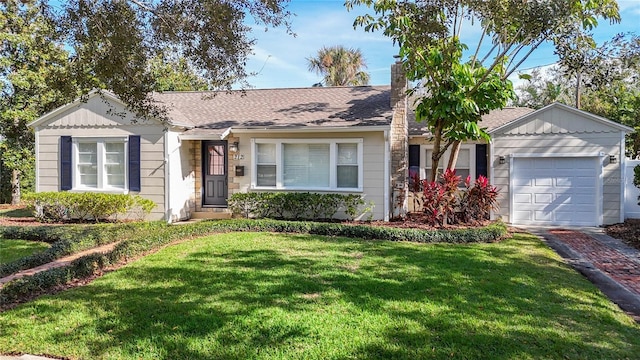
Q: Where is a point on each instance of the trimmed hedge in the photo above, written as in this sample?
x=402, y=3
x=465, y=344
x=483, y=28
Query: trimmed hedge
x=65, y=240
x=490, y=233
x=65, y=206
x=163, y=234
x=297, y=205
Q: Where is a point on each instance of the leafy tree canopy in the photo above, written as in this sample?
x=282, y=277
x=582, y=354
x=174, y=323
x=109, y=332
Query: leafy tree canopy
x=34, y=81
x=454, y=93
x=608, y=85
x=47, y=58
x=175, y=75
x=113, y=41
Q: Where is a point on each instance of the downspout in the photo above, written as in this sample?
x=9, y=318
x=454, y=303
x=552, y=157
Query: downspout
x=167, y=180
x=37, y=168
x=623, y=177
x=387, y=175
x=492, y=216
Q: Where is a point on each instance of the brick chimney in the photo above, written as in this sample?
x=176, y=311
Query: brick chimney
x=398, y=83
x=399, y=137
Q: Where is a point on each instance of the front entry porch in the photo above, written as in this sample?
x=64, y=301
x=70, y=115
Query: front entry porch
x=214, y=178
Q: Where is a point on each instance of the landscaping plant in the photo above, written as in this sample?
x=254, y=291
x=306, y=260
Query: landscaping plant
x=444, y=202
x=297, y=205
x=415, y=187
x=477, y=201
x=66, y=206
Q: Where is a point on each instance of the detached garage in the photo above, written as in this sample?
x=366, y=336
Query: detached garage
x=559, y=166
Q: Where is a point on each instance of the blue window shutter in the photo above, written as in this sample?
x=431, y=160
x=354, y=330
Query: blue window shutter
x=414, y=155
x=134, y=162
x=481, y=160
x=66, y=169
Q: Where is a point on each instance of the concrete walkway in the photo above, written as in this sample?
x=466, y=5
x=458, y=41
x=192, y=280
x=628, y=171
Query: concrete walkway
x=610, y=264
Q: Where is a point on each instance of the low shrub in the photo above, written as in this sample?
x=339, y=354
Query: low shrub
x=440, y=199
x=66, y=206
x=477, y=201
x=162, y=234
x=444, y=202
x=297, y=205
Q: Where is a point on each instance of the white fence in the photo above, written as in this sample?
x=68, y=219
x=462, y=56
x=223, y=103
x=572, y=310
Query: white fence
x=631, y=207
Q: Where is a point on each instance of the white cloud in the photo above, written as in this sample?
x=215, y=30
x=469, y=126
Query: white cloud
x=629, y=5
x=281, y=58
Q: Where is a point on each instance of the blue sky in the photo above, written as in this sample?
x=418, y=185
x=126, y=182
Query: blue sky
x=280, y=59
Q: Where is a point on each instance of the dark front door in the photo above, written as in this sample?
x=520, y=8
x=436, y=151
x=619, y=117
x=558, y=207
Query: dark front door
x=214, y=173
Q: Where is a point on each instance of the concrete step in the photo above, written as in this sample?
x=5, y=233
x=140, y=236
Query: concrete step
x=222, y=214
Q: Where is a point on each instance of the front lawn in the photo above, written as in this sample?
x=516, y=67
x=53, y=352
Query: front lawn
x=11, y=250
x=276, y=296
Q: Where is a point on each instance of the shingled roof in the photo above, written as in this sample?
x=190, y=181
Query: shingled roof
x=210, y=113
x=490, y=121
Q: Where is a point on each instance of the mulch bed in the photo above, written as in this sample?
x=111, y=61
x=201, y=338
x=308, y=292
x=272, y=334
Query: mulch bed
x=628, y=232
x=16, y=221
x=419, y=221
x=23, y=221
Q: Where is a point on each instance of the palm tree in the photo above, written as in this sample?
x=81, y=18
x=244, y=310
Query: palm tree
x=340, y=66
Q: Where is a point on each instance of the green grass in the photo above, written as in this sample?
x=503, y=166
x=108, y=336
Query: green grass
x=274, y=296
x=11, y=250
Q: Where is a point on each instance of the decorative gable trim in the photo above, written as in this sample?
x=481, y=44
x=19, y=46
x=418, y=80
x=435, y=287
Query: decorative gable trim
x=528, y=117
x=52, y=114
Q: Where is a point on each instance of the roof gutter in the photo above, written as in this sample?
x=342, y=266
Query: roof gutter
x=311, y=129
x=280, y=130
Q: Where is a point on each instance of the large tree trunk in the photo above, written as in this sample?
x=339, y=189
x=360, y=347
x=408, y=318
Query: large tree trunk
x=15, y=187
x=453, y=157
x=435, y=154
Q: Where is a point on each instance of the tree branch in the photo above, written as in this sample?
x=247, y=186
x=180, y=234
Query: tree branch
x=475, y=55
x=509, y=72
x=490, y=69
x=146, y=7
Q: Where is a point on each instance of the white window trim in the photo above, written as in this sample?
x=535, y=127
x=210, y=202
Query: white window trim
x=333, y=163
x=445, y=158
x=77, y=187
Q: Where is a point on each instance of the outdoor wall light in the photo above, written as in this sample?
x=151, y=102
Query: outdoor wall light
x=233, y=147
x=613, y=159
x=501, y=160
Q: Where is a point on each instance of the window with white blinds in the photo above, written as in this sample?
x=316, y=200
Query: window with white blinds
x=101, y=164
x=305, y=165
x=265, y=156
x=308, y=164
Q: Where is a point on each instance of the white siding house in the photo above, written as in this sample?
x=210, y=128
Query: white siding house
x=554, y=166
x=335, y=140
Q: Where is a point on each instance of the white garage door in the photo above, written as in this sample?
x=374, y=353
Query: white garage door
x=555, y=191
